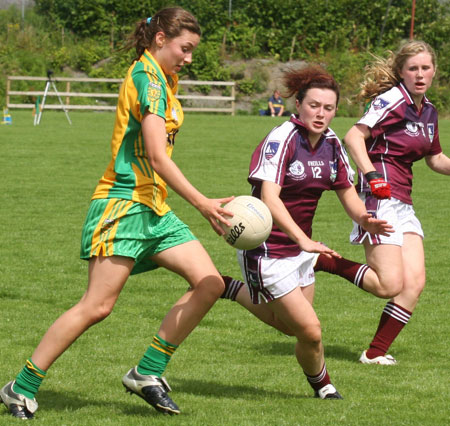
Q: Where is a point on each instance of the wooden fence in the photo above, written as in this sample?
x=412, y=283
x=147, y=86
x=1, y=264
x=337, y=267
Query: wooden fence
x=212, y=103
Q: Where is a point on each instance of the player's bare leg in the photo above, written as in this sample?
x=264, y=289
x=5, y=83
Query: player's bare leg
x=261, y=311
x=107, y=276
x=371, y=277
x=192, y=262
x=385, y=278
x=296, y=311
x=398, y=310
x=309, y=292
x=414, y=275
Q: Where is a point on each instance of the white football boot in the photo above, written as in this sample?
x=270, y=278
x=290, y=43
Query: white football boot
x=381, y=360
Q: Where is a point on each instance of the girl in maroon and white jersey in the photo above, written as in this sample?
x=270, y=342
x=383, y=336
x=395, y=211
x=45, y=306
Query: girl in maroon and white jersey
x=289, y=171
x=399, y=128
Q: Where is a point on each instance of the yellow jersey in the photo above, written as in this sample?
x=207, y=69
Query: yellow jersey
x=129, y=175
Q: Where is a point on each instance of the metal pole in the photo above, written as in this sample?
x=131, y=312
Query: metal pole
x=384, y=22
x=61, y=102
x=413, y=13
x=43, y=102
x=23, y=13
x=8, y=89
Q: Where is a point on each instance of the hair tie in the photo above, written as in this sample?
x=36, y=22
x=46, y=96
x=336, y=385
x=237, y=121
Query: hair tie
x=149, y=20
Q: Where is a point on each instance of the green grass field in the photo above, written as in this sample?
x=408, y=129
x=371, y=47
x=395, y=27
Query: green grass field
x=232, y=370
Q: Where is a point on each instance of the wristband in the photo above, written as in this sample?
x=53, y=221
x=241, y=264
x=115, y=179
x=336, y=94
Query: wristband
x=379, y=188
x=373, y=175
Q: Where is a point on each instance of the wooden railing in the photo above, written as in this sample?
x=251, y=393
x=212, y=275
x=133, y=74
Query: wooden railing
x=217, y=101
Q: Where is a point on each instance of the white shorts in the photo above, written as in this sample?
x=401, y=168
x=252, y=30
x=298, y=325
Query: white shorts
x=397, y=213
x=268, y=279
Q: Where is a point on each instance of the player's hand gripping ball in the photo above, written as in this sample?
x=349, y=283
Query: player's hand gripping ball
x=250, y=225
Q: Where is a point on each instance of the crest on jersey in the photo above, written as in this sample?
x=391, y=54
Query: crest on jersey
x=333, y=170
x=153, y=92
x=297, y=170
x=253, y=279
x=271, y=149
x=430, y=127
x=107, y=225
x=379, y=103
x=412, y=129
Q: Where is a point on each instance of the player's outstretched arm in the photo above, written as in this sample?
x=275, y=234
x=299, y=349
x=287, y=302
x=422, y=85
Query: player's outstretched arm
x=270, y=194
x=154, y=132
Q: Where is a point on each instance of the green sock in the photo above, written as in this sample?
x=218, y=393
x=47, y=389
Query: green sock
x=157, y=357
x=29, y=379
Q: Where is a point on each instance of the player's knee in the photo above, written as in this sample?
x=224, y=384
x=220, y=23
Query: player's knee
x=210, y=288
x=95, y=315
x=420, y=283
x=92, y=311
x=390, y=287
x=311, y=334
x=389, y=291
x=216, y=288
x=101, y=312
x=420, y=287
x=414, y=287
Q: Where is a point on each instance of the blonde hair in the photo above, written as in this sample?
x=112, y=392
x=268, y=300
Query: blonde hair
x=383, y=74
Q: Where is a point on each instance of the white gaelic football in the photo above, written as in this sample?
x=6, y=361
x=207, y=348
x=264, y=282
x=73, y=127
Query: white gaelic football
x=250, y=225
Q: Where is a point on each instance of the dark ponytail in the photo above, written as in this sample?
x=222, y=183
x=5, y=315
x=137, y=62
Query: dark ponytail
x=171, y=21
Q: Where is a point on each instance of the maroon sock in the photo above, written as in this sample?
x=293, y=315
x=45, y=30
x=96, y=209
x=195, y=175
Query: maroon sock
x=319, y=381
x=232, y=288
x=392, y=321
x=351, y=271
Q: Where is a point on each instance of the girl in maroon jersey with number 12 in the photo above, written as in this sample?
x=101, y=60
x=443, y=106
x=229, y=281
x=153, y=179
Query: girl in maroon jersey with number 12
x=290, y=169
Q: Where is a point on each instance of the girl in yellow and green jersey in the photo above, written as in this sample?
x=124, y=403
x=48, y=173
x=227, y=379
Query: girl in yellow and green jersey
x=130, y=228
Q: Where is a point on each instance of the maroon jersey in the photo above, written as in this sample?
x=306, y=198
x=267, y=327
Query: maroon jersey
x=400, y=135
x=286, y=158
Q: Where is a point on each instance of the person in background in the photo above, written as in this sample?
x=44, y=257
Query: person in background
x=289, y=171
x=130, y=228
x=276, y=105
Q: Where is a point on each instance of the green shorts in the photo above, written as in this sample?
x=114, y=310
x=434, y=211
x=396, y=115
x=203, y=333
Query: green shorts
x=116, y=227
